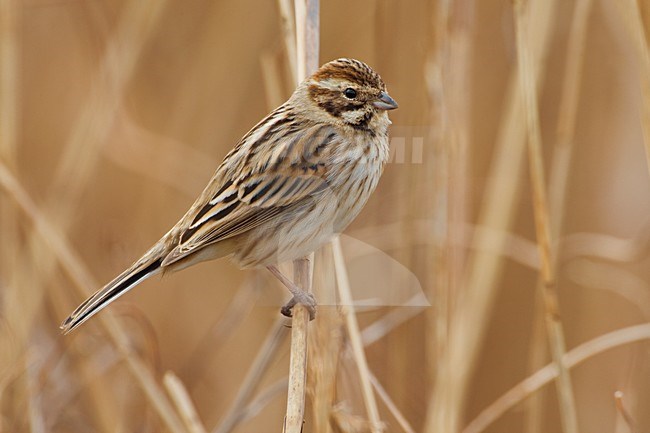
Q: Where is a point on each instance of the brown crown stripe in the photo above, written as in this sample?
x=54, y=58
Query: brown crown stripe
x=359, y=73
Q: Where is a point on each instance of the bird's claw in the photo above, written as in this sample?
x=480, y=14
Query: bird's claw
x=302, y=298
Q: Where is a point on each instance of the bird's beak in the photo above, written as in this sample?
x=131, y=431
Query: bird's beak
x=385, y=102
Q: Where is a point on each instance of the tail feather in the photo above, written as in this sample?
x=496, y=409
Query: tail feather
x=137, y=273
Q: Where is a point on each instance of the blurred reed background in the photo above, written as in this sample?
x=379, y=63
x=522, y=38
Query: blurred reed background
x=114, y=114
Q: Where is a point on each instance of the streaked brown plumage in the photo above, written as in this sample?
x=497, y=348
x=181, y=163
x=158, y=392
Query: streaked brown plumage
x=296, y=179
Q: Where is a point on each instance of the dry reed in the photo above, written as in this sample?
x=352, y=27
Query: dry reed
x=548, y=275
x=113, y=116
x=307, y=19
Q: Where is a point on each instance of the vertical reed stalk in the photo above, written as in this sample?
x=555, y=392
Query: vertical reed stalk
x=448, y=74
x=542, y=226
x=558, y=184
x=294, y=418
x=307, y=47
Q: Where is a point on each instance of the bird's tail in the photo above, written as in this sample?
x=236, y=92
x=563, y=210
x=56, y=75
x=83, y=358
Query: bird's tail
x=148, y=265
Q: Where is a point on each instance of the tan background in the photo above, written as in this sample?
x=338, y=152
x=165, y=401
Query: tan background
x=114, y=114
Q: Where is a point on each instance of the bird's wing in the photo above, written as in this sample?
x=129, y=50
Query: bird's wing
x=265, y=176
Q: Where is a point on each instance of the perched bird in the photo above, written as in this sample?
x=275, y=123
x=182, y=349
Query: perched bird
x=295, y=180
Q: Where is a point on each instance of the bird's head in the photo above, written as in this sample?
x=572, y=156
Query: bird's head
x=349, y=92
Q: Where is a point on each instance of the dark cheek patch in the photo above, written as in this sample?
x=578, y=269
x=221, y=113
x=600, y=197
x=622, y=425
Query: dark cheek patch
x=330, y=107
x=332, y=101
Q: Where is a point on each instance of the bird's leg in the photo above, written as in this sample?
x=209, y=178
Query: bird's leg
x=299, y=296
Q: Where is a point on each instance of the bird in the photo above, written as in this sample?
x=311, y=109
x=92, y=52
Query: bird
x=293, y=182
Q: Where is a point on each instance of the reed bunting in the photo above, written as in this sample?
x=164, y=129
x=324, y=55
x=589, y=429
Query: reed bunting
x=295, y=180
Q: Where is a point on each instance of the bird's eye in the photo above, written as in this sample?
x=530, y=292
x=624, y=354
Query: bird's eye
x=350, y=93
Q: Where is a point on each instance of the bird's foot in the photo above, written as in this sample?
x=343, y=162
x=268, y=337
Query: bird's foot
x=299, y=296
x=302, y=298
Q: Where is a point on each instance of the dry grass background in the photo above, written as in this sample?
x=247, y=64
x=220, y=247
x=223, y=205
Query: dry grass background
x=113, y=115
